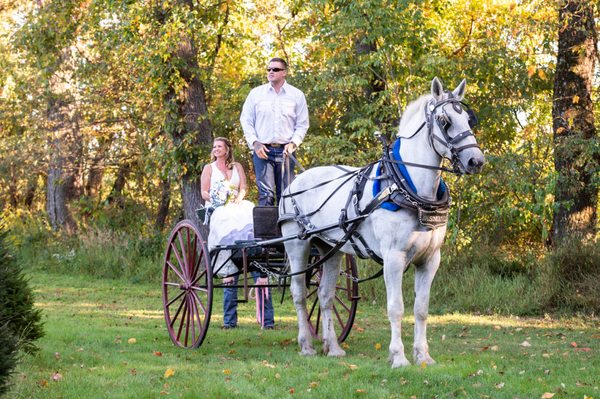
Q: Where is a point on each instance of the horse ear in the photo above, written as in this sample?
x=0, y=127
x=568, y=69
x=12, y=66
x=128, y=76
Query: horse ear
x=437, y=90
x=459, y=92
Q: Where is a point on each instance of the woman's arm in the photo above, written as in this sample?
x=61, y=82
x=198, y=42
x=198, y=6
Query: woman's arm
x=243, y=188
x=205, y=182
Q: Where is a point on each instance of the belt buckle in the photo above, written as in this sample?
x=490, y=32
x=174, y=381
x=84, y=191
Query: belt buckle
x=275, y=145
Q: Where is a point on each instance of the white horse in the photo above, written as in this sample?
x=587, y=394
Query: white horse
x=434, y=127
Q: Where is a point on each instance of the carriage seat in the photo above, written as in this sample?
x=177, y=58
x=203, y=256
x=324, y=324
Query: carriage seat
x=265, y=222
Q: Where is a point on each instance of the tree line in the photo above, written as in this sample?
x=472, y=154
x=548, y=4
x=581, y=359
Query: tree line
x=108, y=108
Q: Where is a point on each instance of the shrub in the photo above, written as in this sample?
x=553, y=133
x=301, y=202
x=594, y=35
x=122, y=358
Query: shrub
x=16, y=301
x=8, y=356
x=573, y=277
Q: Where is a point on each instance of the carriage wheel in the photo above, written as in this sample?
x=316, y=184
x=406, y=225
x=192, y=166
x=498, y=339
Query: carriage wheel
x=346, y=297
x=187, y=286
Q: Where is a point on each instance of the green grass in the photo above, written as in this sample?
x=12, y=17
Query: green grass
x=89, y=351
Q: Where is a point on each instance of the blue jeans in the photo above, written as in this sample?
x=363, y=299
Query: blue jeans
x=271, y=176
x=230, y=305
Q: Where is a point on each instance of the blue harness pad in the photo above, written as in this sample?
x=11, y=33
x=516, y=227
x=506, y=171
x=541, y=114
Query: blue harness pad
x=390, y=205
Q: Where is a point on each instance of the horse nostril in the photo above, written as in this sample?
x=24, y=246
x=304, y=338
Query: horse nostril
x=475, y=163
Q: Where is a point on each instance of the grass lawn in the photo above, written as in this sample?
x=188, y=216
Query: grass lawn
x=107, y=339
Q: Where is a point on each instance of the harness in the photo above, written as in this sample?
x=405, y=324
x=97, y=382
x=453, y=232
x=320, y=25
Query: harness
x=397, y=190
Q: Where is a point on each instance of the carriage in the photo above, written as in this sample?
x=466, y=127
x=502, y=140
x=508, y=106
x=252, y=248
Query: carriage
x=190, y=276
x=393, y=210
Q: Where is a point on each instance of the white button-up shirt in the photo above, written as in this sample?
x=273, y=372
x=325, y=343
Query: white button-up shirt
x=271, y=117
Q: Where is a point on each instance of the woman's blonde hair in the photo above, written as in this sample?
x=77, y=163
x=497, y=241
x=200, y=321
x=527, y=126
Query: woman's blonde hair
x=229, y=160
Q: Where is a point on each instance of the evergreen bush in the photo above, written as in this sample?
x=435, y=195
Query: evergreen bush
x=8, y=356
x=20, y=323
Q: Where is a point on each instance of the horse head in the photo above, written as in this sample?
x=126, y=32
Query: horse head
x=450, y=122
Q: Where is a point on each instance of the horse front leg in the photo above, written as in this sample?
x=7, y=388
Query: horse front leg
x=393, y=270
x=327, y=290
x=423, y=279
x=298, y=289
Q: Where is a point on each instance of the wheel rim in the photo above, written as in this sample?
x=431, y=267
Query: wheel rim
x=187, y=286
x=346, y=297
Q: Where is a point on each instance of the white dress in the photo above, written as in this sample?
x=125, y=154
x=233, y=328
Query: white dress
x=229, y=222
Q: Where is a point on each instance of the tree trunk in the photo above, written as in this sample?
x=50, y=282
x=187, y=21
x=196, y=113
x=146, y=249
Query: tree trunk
x=576, y=158
x=116, y=193
x=193, y=129
x=165, y=203
x=60, y=180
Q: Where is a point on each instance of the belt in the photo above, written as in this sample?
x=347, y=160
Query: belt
x=275, y=145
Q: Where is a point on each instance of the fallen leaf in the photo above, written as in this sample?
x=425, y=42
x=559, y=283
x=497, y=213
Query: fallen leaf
x=57, y=377
x=525, y=344
x=292, y=390
x=157, y=353
x=423, y=365
x=352, y=366
x=574, y=344
x=169, y=373
x=133, y=372
x=583, y=349
x=57, y=355
x=131, y=341
x=361, y=391
x=226, y=371
x=494, y=348
x=313, y=384
x=377, y=346
x=266, y=364
x=548, y=395
x=500, y=385
x=43, y=383
x=277, y=375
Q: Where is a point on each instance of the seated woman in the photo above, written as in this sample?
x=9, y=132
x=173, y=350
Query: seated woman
x=223, y=187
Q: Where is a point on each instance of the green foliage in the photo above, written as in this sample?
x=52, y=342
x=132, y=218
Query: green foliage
x=17, y=311
x=8, y=356
x=574, y=267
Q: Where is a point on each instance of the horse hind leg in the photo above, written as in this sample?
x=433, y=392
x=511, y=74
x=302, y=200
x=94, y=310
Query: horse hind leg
x=423, y=279
x=298, y=256
x=327, y=292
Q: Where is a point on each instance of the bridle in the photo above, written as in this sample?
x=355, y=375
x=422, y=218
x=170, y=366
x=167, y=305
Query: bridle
x=435, y=111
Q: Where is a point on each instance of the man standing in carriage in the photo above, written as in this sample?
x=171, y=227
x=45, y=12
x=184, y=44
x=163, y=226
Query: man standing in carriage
x=275, y=120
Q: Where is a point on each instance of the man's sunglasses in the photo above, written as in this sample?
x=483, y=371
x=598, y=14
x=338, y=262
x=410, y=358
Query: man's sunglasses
x=275, y=69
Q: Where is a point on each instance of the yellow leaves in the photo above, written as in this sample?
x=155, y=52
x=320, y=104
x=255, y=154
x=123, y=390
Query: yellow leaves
x=575, y=99
x=131, y=341
x=532, y=70
x=227, y=372
x=169, y=373
x=266, y=364
x=377, y=346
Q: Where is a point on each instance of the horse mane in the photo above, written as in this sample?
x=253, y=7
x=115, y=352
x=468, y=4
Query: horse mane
x=407, y=120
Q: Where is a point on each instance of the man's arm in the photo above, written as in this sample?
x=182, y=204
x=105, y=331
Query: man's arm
x=248, y=120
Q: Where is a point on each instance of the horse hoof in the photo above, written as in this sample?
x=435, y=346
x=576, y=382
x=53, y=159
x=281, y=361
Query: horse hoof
x=308, y=352
x=336, y=353
x=400, y=362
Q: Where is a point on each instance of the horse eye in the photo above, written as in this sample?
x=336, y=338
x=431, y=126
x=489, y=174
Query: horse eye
x=444, y=121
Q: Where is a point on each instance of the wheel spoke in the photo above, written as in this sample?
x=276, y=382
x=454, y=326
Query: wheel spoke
x=183, y=253
x=175, y=250
x=175, y=271
x=175, y=299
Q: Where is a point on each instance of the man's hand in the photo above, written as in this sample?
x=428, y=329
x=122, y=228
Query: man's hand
x=260, y=150
x=289, y=149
